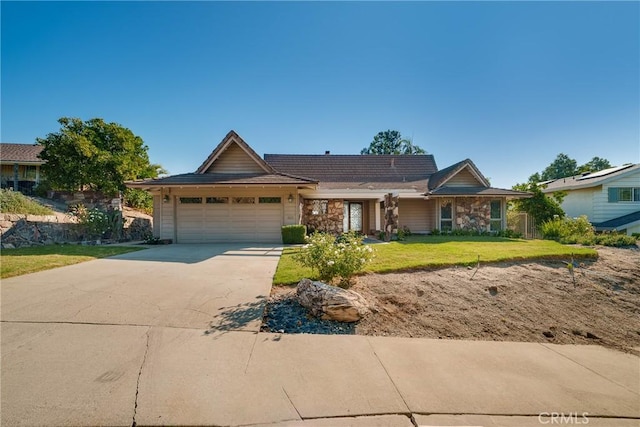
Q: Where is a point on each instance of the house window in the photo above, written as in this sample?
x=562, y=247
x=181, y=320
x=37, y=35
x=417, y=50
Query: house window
x=446, y=215
x=319, y=207
x=244, y=200
x=496, y=215
x=217, y=200
x=190, y=200
x=624, y=194
x=269, y=200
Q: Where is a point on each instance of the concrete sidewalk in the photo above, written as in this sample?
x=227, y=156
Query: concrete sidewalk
x=160, y=375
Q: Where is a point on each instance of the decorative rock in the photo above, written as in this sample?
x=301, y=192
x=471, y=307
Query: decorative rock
x=330, y=302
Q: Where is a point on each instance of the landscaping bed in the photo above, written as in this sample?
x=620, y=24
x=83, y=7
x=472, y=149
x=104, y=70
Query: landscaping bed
x=534, y=301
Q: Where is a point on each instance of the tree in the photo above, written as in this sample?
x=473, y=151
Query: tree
x=391, y=142
x=94, y=155
x=561, y=167
x=540, y=206
x=594, y=165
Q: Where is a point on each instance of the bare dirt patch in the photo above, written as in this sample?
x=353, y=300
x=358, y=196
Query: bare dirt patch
x=515, y=301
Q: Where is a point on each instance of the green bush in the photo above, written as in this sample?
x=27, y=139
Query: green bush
x=333, y=258
x=139, y=199
x=566, y=229
x=94, y=221
x=615, y=239
x=293, y=234
x=570, y=231
x=17, y=203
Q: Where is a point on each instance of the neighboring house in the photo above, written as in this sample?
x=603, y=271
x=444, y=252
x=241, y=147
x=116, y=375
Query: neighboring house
x=236, y=195
x=609, y=198
x=20, y=166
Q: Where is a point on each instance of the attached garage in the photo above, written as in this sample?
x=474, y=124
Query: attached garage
x=229, y=219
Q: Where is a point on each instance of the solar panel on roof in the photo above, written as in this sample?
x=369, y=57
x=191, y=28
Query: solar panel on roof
x=604, y=172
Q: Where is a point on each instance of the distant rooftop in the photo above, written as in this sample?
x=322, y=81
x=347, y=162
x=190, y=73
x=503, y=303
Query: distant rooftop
x=20, y=153
x=587, y=180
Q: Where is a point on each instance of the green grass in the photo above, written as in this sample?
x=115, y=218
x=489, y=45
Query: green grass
x=420, y=252
x=17, y=203
x=16, y=262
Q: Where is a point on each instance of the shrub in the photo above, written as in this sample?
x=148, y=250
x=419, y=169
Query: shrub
x=94, y=221
x=615, y=239
x=293, y=234
x=566, y=230
x=17, y=203
x=331, y=257
x=139, y=199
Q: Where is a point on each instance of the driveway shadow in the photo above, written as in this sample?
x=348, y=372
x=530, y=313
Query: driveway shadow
x=195, y=253
x=238, y=317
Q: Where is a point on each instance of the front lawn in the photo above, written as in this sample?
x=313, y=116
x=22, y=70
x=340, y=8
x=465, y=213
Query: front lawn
x=419, y=252
x=16, y=262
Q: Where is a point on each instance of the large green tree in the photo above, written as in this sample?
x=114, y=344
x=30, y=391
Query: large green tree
x=94, y=155
x=561, y=167
x=391, y=142
x=540, y=206
x=594, y=165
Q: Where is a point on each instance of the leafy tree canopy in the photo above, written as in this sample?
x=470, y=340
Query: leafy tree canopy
x=94, y=155
x=564, y=166
x=561, y=167
x=541, y=207
x=391, y=142
x=594, y=165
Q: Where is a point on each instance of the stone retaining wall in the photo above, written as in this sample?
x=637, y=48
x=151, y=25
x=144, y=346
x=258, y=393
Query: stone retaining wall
x=34, y=230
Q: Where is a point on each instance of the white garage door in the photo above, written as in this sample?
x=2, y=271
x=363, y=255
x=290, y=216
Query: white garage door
x=229, y=219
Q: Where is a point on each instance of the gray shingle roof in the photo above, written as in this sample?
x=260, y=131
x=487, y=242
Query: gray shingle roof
x=223, y=179
x=618, y=223
x=23, y=153
x=477, y=191
x=589, y=180
x=355, y=168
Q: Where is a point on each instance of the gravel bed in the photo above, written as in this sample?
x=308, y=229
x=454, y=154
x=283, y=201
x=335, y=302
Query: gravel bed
x=283, y=314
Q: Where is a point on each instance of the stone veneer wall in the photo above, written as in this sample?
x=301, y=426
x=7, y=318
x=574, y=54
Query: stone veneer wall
x=330, y=222
x=473, y=213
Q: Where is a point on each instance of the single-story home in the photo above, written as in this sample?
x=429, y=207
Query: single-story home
x=20, y=166
x=236, y=195
x=610, y=198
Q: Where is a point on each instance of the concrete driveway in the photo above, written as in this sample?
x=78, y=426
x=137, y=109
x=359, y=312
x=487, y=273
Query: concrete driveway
x=185, y=286
x=74, y=338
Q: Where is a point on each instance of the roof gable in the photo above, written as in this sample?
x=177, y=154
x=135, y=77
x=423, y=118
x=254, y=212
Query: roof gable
x=27, y=153
x=233, y=156
x=461, y=174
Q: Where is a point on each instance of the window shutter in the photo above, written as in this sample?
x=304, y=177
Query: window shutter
x=613, y=194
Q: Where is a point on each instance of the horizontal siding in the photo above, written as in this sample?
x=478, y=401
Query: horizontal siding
x=234, y=160
x=579, y=202
x=417, y=215
x=464, y=178
x=604, y=211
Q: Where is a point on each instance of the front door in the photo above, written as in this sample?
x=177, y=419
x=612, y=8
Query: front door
x=352, y=216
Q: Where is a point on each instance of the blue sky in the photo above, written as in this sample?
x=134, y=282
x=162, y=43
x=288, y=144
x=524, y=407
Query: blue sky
x=508, y=84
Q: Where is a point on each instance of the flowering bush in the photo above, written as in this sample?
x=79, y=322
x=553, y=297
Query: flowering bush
x=335, y=257
x=95, y=221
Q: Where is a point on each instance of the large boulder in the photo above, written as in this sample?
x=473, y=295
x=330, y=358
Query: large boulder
x=330, y=302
